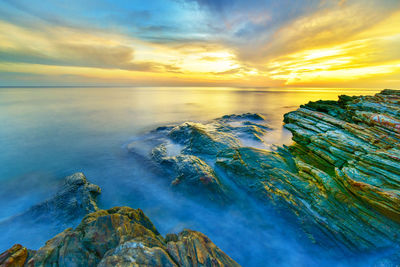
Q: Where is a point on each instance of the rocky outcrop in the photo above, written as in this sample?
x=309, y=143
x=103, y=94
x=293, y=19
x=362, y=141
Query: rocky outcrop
x=341, y=177
x=121, y=236
x=16, y=256
x=186, y=153
x=359, y=145
x=188, y=248
x=75, y=198
x=190, y=174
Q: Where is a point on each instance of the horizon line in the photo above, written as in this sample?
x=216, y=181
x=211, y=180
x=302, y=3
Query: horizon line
x=185, y=86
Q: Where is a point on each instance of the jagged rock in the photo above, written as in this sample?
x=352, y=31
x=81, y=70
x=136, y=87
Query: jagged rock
x=328, y=212
x=195, y=249
x=122, y=236
x=186, y=153
x=355, y=141
x=202, y=139
x=363, y=147
x=244, y=126
x=191, y=175
x=190, y=248
x=136, y=253
x=16, y=256
x=76, y=198
x=341, y=178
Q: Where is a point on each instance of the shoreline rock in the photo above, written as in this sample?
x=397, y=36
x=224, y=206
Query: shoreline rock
x=74, y=199
x=120, y=236
x=17, y=255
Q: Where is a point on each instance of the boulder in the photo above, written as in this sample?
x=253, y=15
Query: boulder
x=195, y=249
x=16, y=256
x=120, y=236
x=75, y=198
x=191, y=175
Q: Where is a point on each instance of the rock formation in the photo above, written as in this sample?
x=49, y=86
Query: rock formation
x=76, y=198
x=186, y=153
x=120, y=236
x=16, y=256
x=341, y=177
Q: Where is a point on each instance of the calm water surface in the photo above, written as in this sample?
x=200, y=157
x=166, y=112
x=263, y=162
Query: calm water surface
x=49, y=133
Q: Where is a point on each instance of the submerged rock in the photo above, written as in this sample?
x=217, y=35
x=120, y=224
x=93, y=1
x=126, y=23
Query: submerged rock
x=121, y=236
x=76, y=198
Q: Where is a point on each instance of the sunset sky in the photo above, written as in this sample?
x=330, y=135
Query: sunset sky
x=252, y=43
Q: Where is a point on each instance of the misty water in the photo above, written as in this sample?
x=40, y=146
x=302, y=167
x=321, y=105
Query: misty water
x=49, y=133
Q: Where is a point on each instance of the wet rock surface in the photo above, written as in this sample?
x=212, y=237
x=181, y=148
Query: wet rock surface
x=15, y=256
x=121, y=236
x=340, y=177
x=75, y=198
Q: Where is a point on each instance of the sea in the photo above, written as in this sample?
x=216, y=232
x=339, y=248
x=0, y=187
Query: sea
x=47, y=133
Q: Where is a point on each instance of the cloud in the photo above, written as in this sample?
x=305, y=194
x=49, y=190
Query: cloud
x=372, y=53
x=328, y=26
x=264, y=29
x=141, y=19
x=98, y=56
x=263, y=42
x=231, y=71
x=101, y=56
x=63, y=49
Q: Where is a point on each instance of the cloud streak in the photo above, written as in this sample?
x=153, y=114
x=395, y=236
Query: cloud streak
x=48, y=47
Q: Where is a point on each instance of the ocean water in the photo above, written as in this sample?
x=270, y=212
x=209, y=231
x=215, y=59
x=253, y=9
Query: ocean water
x=49, y=133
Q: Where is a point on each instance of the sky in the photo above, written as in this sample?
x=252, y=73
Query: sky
x=243, y=43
